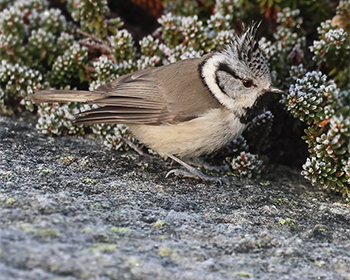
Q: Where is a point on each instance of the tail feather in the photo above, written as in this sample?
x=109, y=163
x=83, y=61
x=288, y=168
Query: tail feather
x=63, y=96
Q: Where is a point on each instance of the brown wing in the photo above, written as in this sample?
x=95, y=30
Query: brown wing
x=166, y=94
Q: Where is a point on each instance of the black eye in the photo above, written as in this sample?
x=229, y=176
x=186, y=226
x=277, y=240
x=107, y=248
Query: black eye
x=247, y=83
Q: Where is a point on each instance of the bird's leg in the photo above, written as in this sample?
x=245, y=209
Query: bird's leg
x=192, y=172
x=134, y=147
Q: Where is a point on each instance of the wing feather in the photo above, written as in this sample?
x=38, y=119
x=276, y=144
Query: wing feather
x=152, y=96
x=127, y=102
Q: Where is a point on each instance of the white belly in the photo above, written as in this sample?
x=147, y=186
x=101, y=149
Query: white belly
x=199, y=136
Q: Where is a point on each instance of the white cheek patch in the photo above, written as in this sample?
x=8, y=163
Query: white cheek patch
x=208, y=73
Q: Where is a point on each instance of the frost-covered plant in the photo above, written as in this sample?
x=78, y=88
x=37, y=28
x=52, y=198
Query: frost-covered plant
x=113, y=135
x=16, y=82
x=242, y=161
x=93, y=17
x=69, y=66
x=41, y=48
x=315, y=100
x=334, y=43
x=247, y=165
x=324, y=104
x=59, y=119
x=122, y=46
x=149, y=46
x=258, y=131
x=287, y=46
x=312, y=99
x=29, y=33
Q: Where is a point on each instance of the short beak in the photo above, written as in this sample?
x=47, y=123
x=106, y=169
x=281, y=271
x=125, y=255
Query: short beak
x=274, y=90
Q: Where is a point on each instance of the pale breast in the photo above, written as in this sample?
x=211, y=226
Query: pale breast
x=202, y=135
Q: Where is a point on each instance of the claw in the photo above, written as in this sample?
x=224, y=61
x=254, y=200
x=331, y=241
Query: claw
x=194, y=173
x=176, y=172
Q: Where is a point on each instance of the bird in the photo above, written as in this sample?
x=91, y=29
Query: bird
x=185, y=109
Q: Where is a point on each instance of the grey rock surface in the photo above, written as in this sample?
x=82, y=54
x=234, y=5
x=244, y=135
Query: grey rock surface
x=72, y=209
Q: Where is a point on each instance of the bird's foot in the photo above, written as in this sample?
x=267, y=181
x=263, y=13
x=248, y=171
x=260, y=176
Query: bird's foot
x=197, y=175
x=192, y=172
x=201, y=163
